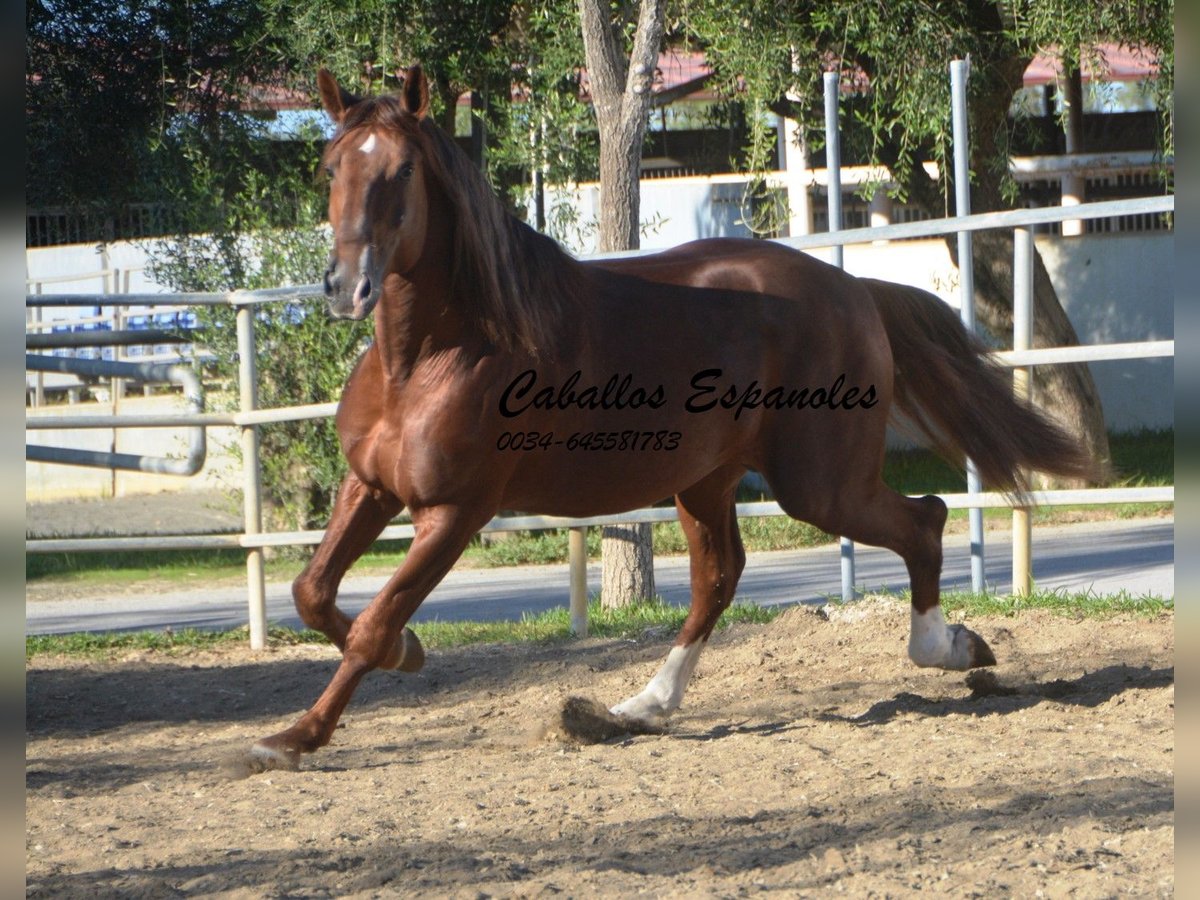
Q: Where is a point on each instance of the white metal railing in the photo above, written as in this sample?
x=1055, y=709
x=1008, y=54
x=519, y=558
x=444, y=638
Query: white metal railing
x=253, y=539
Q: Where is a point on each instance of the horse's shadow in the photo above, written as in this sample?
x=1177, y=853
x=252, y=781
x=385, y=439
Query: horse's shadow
x=991, y=695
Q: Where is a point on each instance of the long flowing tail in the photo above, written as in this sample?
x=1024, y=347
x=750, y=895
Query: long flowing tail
x=963, y=402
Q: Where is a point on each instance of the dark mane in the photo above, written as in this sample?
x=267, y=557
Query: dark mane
x=512, y=281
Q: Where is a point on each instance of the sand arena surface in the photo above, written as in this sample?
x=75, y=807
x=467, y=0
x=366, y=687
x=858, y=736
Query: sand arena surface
x=810, y=756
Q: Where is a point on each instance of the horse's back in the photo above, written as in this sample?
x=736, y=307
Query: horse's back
x=742, y=264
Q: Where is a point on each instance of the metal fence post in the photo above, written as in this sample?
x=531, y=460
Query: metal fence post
x=959, y=71
x=833, y=167
x=1022, y=526
x=251, y=479
x=577, y=555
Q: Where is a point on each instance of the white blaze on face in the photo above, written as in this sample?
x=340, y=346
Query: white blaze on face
x=369, y=144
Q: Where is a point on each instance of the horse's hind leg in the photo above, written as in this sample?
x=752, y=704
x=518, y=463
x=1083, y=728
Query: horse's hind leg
x=359, y=515
x=931, y=642
x=708, y=517
x=912, y=528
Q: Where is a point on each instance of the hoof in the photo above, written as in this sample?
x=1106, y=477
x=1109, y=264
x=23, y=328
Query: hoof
x=408, y=655
x=979, y=654
x=263, y=758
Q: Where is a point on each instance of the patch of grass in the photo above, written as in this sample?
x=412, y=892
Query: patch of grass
x=655, y=616
x=1086, y=604
x=1143, y=458
x=1076, y=604
x=168, y=642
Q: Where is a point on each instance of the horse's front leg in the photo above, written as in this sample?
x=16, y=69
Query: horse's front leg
x=359, y=514
x=377, y=637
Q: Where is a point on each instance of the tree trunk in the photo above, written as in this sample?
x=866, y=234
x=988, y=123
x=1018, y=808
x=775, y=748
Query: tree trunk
x=627, y=573
x=620, y=186
x=621, y=85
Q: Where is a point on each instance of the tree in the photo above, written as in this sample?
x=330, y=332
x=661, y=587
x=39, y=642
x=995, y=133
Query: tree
x=620, y=79
x=621, y=57
x=777, y=50
x=106, y=85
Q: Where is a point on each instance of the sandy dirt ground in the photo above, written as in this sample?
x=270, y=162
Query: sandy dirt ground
x=809, y=757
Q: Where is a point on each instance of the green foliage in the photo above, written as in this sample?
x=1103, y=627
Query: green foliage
x=248, y=230
x=772, y=52
x=550, y=130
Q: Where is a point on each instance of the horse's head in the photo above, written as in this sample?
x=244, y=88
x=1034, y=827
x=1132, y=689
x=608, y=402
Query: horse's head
x=377, y=195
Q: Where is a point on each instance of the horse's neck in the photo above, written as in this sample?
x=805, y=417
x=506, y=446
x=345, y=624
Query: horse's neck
x=414, y=320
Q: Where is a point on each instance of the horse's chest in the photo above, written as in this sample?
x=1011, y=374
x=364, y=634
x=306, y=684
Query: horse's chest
x=418, y=448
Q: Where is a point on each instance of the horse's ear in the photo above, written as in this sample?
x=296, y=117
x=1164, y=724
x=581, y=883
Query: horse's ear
x=416, y=92
x=334, y=97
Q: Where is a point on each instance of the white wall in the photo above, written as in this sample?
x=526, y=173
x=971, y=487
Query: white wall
x=1121, y=287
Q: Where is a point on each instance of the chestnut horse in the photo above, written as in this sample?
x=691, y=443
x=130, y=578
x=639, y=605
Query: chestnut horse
x=507, y=375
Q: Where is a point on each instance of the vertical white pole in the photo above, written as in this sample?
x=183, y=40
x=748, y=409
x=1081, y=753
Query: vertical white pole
x=577, y=556
x=39, y=384
x=833, y=168
x=959, y=70
x=1022, y=527
x=251, y=481
x=833, y=158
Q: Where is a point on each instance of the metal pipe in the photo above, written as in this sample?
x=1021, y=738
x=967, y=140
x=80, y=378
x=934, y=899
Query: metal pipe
x=1010, y=218
x=125, y=338
x=578, y=606
x=959, y=73
x=833, y=157
x=833, y=166
x=175, y=420
x=194, y=298
x=1086, y=353
x=193, y=395
x=256, y=582
x=1022, y=523
x=984, y=221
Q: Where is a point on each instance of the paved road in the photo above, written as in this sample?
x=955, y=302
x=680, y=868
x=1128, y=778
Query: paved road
x=1106, y=557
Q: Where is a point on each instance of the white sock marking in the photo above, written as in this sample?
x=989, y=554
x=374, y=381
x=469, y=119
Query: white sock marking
x=664, y=693
x=931, y=642
x=369, y=144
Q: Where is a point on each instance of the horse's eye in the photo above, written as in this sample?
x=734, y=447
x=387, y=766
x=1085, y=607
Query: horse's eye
x=329, y=171
x=406, y=170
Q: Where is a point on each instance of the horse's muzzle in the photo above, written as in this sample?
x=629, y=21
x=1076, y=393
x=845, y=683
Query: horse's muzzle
x=351, y=299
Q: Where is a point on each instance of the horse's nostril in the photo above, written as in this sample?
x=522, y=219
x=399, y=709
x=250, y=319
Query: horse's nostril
x=329, y=281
